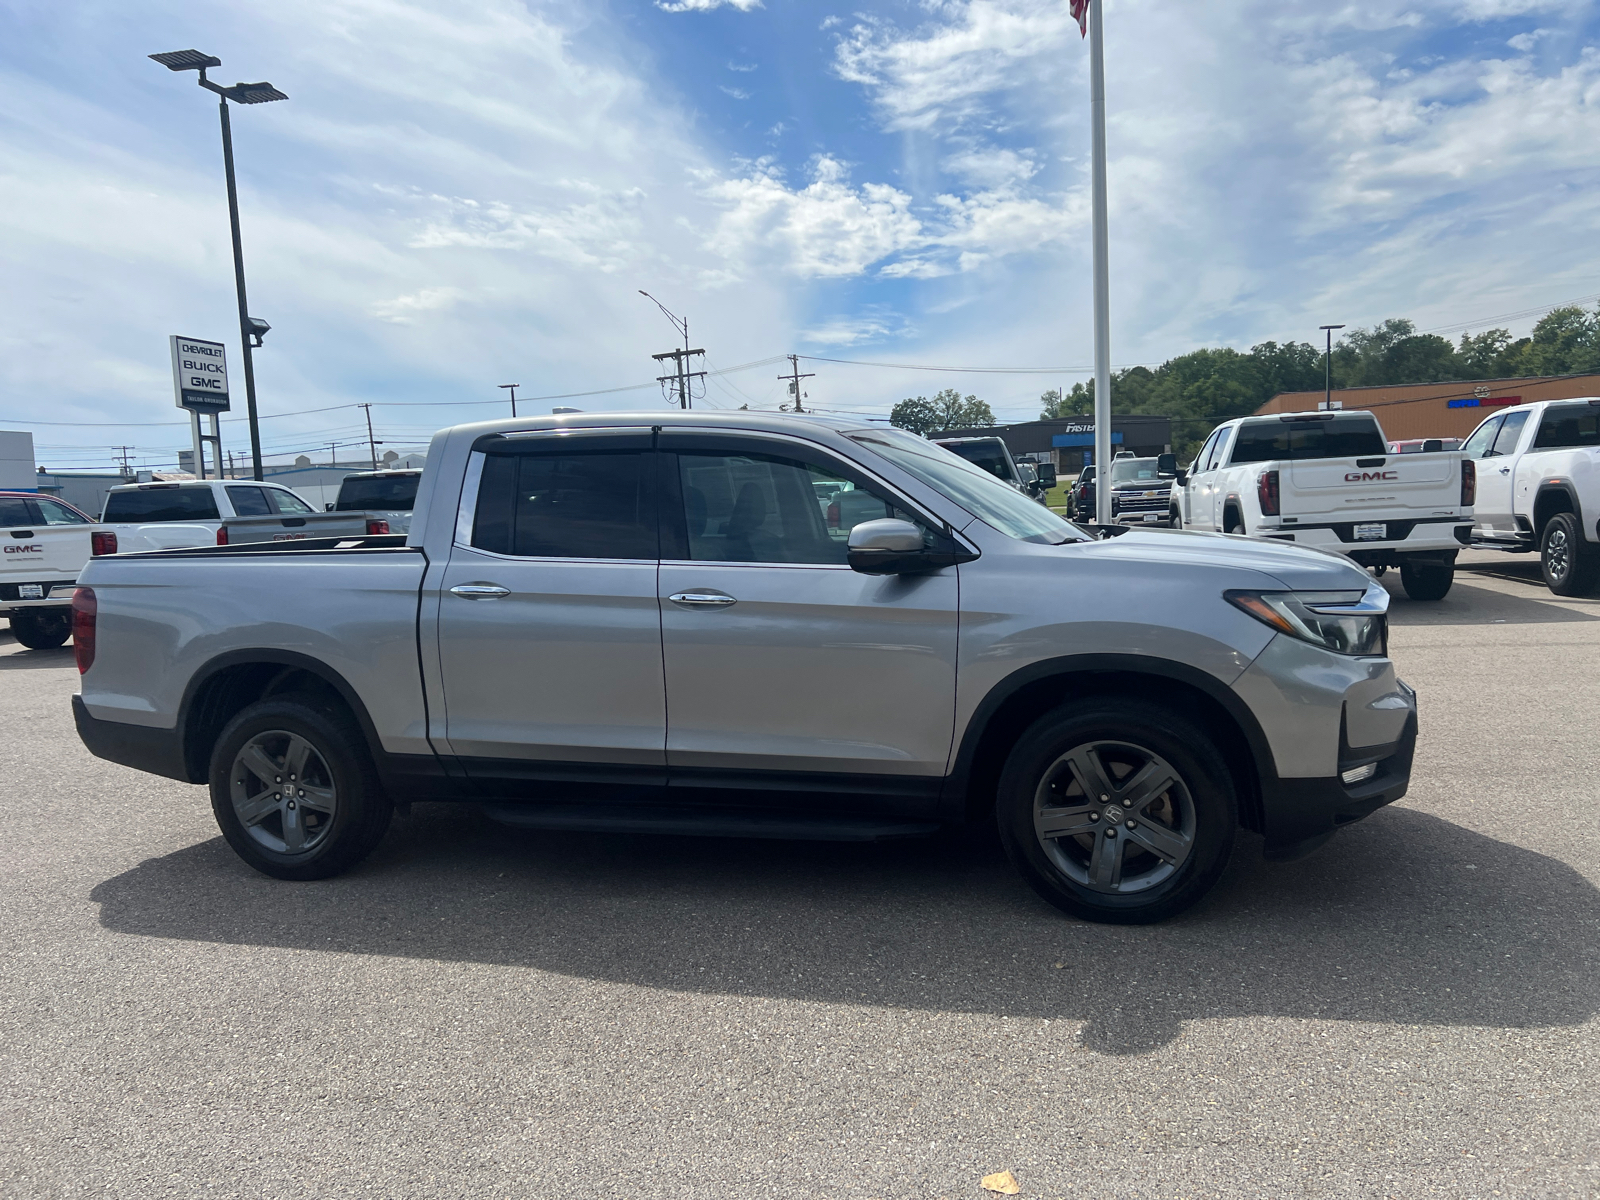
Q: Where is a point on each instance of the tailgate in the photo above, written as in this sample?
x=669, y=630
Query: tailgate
x=43, y=552
x=1417, y=485
x=295, y=528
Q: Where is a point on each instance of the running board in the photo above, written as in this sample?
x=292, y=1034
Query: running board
x=704, y=822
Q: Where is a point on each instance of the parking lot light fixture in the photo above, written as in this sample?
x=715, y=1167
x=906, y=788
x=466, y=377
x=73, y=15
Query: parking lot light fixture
x=1327, y=367
x=251, y=329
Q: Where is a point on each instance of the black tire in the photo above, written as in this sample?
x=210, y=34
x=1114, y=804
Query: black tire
x=1078, y=867
x=1175, y=519
x=1233, y=523
x=1427, y=581
x=1569, y=563
x=41, y=629
x=333, y=822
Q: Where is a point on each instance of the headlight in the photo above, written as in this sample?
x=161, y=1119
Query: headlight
x=1344, y=622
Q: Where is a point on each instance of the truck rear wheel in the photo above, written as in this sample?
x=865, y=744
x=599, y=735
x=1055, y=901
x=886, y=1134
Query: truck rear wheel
x=1427, y=581
x=41, y=629
x=294, y=790
x=1569, y=563
x=1116, y=811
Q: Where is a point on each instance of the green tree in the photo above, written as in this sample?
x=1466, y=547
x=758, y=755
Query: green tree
x=1077, y=403
x=949, y=409
x=1566, y=341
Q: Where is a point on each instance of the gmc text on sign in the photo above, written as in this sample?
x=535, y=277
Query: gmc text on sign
x=199, y=374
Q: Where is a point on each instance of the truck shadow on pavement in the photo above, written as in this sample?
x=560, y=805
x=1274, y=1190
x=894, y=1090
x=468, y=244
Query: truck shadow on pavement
x=1469, y=605
x=1405, y=918
x=20, y=659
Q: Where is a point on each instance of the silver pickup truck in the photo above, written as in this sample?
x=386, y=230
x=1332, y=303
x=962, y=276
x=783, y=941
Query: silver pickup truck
x=644, y=622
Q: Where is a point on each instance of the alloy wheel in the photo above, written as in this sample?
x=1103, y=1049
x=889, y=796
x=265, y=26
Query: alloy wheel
x=1557, y=554
x=283, y=792
x=1114, y=817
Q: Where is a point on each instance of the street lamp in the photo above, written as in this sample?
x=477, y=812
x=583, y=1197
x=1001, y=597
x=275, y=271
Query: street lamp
x=513, y=387
x=251, y=329
x=1327, y=368
x=680, y=357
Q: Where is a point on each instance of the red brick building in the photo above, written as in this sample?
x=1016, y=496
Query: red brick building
x=1439, y=410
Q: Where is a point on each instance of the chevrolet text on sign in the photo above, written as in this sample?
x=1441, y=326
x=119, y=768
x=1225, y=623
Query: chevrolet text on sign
x=200, y=374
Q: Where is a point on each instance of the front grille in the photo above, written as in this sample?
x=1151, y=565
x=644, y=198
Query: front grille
x=1142, y=504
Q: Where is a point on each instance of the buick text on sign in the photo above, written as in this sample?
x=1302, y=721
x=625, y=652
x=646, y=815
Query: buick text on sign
x=199, y=374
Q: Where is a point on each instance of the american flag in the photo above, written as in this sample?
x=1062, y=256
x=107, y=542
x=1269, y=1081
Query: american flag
x=1080, y=14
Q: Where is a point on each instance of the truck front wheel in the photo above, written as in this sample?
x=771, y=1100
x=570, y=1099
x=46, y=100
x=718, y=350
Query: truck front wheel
x=1427, y=581
x=1116, y=811
x=1570, y=564
x=294, y=790
x=41, y=629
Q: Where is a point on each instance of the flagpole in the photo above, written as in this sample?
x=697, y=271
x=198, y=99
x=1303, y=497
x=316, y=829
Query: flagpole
x=1102, y=284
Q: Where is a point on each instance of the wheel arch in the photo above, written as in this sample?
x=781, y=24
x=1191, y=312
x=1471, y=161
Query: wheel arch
x=1554, y=496
x=1027, y=693
x=1232, y=502
x=229, y=682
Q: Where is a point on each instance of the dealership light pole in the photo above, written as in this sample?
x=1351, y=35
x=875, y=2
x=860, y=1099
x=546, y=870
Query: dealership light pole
x=1327, y=368
x=251, y=329
x=513, y=387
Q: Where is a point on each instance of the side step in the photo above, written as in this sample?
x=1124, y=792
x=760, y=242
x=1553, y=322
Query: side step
x=705, y=822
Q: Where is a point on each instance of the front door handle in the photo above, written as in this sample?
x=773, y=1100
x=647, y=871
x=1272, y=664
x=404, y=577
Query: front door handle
x=479, y=591
x=1505, y=470
x=701, y=599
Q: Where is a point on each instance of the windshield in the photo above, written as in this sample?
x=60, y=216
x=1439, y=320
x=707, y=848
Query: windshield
x=391, y=493
x=973, y=488
x=1128, y=470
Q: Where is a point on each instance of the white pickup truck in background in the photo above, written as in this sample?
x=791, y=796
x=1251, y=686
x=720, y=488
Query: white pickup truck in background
x=1329, y=480
x=179, y=516
x=1539, y=488
x=44, y=543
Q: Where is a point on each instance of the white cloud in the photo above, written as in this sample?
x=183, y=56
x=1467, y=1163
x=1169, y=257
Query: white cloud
x=736, y=93
x=404, y=310
x=678, y=6
x=872, y=326
x=991, y=166
x=744, y=67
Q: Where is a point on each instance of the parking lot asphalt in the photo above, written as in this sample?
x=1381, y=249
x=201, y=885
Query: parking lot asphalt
x=475, y=1012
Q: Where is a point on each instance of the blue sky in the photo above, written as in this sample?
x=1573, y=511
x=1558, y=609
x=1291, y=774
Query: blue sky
x=460, y=195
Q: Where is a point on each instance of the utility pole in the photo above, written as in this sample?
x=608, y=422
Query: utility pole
x=683, y=377
x=794, y=377
x=371, y=445
x=513, y=387
x=1327, y=368
x=124, y=456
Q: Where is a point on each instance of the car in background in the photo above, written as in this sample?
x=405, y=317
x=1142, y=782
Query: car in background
x=989, y=453
x=1141, y=490
x=1424, y=445
x=1080, y=497
x=188, y=513
x=44, y=543
x=386, y=497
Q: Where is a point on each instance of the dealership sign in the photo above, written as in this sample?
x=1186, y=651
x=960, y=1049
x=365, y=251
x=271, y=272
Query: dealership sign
x=199, y=375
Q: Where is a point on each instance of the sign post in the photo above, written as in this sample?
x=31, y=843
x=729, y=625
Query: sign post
x=200, y=385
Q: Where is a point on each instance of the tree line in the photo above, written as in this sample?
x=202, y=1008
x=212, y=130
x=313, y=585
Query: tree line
x=1201, y=389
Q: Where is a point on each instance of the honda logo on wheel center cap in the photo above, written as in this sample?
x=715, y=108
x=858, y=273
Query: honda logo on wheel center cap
x=1115, y=815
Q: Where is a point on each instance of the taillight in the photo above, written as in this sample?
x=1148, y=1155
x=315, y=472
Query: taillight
x=102, y=543
x=1267, y=493
x=833, y=515
x=376, y=528
x=1469, y=483
x=222, y=535
x=84, y=610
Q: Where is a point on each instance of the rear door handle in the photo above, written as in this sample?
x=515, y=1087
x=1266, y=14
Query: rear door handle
x=479, y=591
x=701, y=599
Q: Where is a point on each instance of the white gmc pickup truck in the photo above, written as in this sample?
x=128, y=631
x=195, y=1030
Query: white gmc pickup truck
x=1329, y=480
x=645, y=622
x=1539, y=488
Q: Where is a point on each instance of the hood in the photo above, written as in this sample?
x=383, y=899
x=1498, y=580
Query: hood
x=1143, y=485
x=1296, y=568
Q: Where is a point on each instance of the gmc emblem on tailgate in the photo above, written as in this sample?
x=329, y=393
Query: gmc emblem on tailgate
x=1369, y=476
x=23, y=550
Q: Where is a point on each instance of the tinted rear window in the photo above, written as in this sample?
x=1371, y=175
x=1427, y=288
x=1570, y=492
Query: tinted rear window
x=1568, y=425
x=991, y=458
x=162, y=504
x=1342, y=437
x=392, y=493
x=566, y=506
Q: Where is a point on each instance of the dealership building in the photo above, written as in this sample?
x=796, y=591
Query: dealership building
x=1438, y=410
x=1069, y=441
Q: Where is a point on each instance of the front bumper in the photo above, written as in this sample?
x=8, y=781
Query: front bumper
x=1298, y=815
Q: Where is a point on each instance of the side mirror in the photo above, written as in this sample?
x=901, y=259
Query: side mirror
x=328, y=507
x=1182, y=477
x=892, y=547
x=1167, y=464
